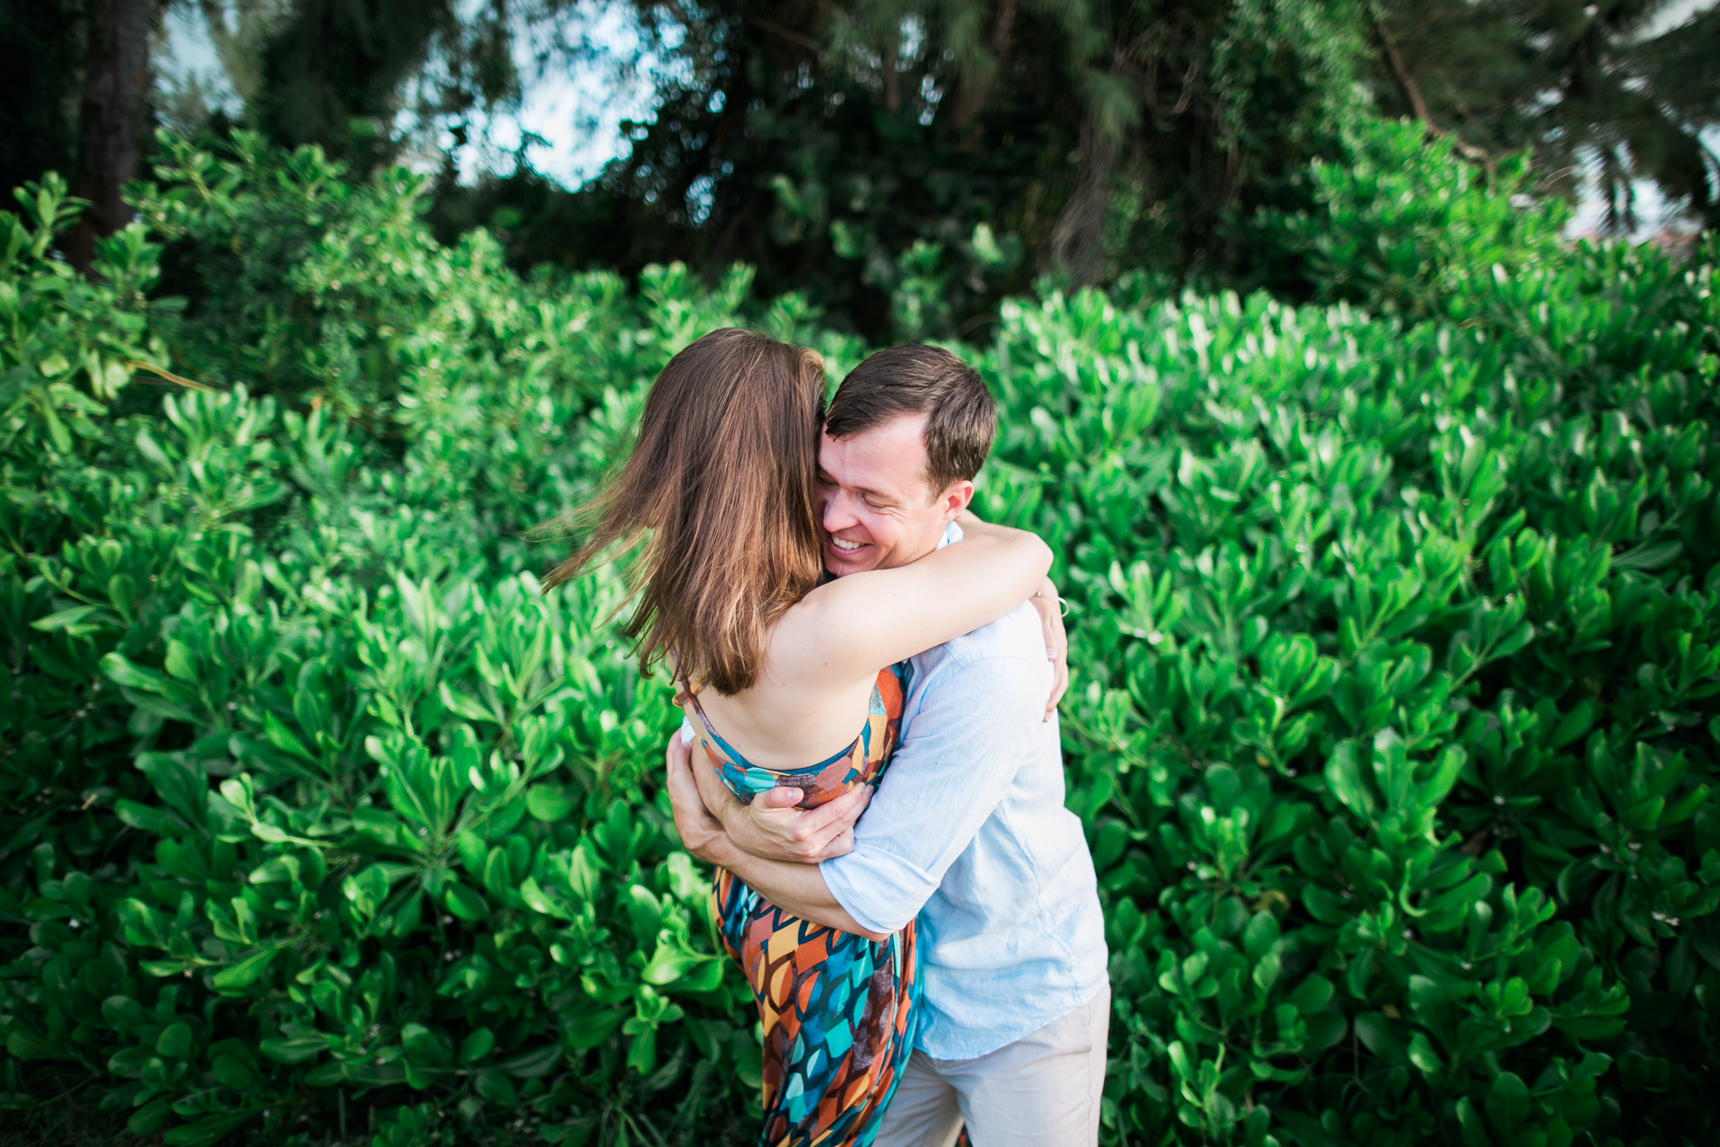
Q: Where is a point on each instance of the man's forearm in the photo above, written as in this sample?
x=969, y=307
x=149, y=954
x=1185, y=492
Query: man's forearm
x=795, y=888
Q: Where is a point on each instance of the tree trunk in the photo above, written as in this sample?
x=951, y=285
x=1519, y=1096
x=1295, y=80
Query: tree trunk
x=1077, y=238
x=1412, y=92
x=976, y=88
x=111, y=120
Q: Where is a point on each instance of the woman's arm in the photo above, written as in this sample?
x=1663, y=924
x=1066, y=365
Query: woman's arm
x=796, y=888
x=863, y=621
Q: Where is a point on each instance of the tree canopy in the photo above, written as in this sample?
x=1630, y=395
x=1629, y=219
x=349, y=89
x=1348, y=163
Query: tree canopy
x=861, y=151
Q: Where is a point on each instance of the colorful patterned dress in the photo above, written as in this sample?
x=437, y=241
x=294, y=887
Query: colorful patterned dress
x=838, y=1010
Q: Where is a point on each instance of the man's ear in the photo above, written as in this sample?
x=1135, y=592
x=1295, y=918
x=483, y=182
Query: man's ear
x=955, y=499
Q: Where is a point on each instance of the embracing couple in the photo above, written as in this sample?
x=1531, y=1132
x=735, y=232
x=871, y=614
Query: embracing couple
x=940, y=959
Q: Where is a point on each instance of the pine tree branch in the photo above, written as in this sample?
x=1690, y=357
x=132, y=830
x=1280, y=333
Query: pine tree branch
x=1412, y=92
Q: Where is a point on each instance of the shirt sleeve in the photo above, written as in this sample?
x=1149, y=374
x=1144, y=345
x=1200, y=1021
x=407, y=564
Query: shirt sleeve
x=964, y=746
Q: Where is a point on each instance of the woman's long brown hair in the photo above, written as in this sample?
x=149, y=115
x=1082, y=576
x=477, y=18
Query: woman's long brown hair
x=721, y=490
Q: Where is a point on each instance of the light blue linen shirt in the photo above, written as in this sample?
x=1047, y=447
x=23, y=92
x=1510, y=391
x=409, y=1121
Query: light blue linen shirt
x=968, y=831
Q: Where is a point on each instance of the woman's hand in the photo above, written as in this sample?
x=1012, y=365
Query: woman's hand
x=1050, y=607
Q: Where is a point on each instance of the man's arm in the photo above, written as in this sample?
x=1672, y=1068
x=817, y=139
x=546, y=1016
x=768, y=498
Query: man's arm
x=774, y=827
x=974, y=726
x=797, y=888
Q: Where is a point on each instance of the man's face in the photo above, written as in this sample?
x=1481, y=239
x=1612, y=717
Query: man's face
x=878, y=509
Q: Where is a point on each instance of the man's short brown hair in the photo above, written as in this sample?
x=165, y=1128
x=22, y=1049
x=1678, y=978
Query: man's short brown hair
x=961, y=415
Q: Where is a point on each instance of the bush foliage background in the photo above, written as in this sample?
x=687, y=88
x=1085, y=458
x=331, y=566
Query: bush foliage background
x=1396, y=652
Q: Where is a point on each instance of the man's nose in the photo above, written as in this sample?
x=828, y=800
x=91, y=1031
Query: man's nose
x=838, y=512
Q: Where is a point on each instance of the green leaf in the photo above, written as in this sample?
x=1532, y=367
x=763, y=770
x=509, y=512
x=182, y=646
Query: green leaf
x=123, y=672
x=296, y=1048
x=548, y=802
x=1375, y=1032
x=26, y=1046
x=141, y=817
x=473, y=853
x=477, y=1045
x=424, y=1046
x=209, y=1129
x=66, y=618
x=1508, y=1104
x=586, y=1028
x=1421, y=1053
x=1344, y=777
x=1574, y=723
x=1260, y=935
x=230, y=1071
x=147, y=1120
x=539, y=901
x=180, y=663
x=669, y=964
x=533, y=1064
x=497, y=1088
x=464, y=902
x=1589, y=1029
x=283, y=739
x=1312, y=995
x=246, y=972
x=175, y=1041
x=1324, y=905
x=1469, y=1123
x=1325, y=1030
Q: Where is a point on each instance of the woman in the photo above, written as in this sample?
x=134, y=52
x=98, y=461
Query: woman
x=776, y=671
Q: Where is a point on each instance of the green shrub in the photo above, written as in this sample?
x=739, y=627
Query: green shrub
x=1397, y=650
x=1409, y=226
x=1399, y=706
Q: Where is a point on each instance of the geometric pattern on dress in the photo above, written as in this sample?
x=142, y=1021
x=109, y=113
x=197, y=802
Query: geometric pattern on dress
x=839, y=1014
x=839, y=1011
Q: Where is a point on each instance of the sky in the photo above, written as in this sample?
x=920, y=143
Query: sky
x=1654, y=213
x=576, y=106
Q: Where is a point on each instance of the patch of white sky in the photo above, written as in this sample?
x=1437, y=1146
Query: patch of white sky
x=187, y=59
x=582, y=78
x=1654, y=212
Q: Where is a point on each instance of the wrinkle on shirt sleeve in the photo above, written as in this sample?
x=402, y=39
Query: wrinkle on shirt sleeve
x=963, y=748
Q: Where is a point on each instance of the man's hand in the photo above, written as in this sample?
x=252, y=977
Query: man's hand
x=1050, y=609
x=771, y=827
x=796, y=888
x=701, y=833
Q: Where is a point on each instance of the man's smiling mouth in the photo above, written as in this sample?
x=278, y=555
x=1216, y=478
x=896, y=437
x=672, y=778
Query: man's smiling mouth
x=845, y=546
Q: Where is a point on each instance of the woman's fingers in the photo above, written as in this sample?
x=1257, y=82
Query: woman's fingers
x=1059, y=675
x=1050, y=607
x=1059, y=683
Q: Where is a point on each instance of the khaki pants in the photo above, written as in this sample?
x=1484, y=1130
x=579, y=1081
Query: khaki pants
x=1040, y=1091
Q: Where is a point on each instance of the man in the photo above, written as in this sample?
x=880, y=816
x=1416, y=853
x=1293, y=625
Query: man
x=968, y=829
